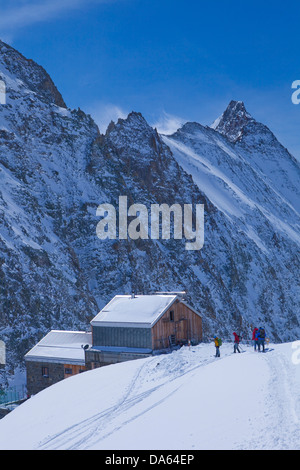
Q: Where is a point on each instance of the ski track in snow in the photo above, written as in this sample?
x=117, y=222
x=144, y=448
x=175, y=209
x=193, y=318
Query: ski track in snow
x=87, y=428
x=86, y=434
x=284, y=418
x=259, y=391
x=282, y=422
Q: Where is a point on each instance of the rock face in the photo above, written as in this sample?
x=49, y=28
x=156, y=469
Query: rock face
x=55, y=170
x=233, y=121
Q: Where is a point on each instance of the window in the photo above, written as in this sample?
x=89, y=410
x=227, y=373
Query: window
x=45, y=371
x=171, y=315
x=68, y=371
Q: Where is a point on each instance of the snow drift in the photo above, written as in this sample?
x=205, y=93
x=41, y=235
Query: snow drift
x=187, y=400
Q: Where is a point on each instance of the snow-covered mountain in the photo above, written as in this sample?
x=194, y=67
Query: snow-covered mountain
x=187, y=400
x=56, y=168
x=254, y=182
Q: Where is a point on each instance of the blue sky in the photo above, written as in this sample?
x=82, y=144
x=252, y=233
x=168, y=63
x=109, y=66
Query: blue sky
x=172, y=60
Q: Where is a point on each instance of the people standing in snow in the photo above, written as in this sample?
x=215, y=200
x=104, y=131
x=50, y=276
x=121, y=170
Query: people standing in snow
x=254, y=338
x=261, y=337
x=218, y=343
x=236, y=343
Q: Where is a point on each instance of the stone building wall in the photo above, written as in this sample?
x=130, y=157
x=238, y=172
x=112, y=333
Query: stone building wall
x=36, y=381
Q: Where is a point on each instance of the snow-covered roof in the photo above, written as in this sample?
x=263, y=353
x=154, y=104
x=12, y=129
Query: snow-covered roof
x=61, y=347
x=142, y=311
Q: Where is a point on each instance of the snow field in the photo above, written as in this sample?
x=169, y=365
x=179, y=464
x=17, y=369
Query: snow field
x=187, y=400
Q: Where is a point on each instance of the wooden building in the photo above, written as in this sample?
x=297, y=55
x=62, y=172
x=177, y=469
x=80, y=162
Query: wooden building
x=60, y=354
x=131, y=327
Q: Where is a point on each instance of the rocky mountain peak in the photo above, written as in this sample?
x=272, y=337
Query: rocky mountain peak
x=34, y=76
x=233, y=121
x=134, y=122
x=191, y=128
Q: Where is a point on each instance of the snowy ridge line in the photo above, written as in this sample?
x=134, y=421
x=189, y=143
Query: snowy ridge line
x=196, y=159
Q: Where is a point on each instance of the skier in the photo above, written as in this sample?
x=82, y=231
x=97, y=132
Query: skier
x=261, y=337
x=254, y=338
x=236, y=343
x=218, y=343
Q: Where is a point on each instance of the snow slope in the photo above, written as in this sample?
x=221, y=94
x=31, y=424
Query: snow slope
x=187, y=400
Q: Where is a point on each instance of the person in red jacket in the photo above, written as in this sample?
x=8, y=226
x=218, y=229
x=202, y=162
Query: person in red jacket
x=236, y=343
x=254, y=338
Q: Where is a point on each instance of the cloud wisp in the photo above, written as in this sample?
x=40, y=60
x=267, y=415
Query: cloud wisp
x=168, y=124
x=103, y=114
x=22, y=14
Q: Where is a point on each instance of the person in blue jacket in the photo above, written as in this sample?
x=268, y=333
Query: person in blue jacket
x=261, y=338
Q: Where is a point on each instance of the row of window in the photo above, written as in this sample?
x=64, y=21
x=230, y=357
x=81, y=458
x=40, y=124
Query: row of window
x=68, y=371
